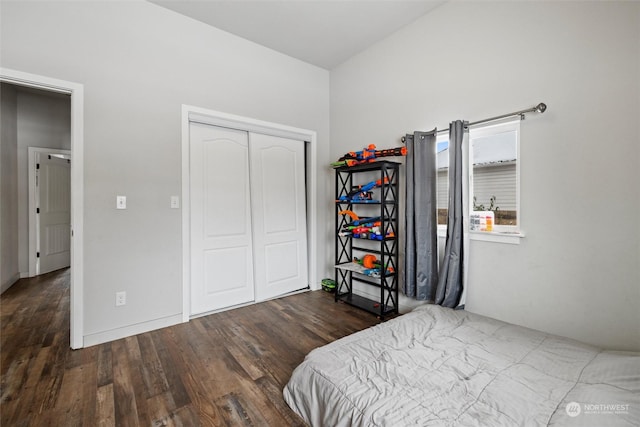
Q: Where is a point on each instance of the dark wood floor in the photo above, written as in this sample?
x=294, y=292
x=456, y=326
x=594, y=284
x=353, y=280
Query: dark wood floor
x=224, y=369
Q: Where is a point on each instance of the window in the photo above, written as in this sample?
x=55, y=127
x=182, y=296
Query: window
x=494, y=174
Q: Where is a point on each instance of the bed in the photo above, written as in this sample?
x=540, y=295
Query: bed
x=436, y=366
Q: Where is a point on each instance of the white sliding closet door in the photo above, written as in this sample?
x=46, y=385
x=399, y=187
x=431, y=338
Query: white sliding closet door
x=221, y=240
x=279, y=214
x=247, y=217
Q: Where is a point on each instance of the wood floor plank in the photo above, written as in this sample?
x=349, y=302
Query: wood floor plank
x=105, y=407
x=162, y=409
x=227, y=368
x=274, y=393
x=173, y=370
x=68, y=408
x=208, y=413
x=89, y=370
x=234, y=411
x=105, y=365
x=29, y=391
x=124, y=395
x=192, y=376
x=152, y=372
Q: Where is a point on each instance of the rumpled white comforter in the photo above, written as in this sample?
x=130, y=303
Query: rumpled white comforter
x=441, y=367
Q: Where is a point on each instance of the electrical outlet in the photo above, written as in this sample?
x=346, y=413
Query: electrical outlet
x=121, y=298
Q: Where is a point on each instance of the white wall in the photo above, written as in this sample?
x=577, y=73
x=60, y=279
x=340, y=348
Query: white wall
x=9, y=269
x=576, y=272
x=44, y=121
x=139, y=63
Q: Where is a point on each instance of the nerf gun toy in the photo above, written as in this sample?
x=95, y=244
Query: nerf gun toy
x=361, y=223
x=370, y=233
x=352, y=214
x=362, y=193
x=363, y=228
x=364, y=232
x=357, y=221
x=367, y=155
x=366, y=221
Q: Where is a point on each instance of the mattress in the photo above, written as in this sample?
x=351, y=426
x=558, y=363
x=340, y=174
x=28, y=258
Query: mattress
x=441, y=367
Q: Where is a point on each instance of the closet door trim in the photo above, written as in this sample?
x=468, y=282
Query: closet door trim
x=250, y=125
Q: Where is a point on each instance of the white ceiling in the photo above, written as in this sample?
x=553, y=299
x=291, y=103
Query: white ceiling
x=321, y=32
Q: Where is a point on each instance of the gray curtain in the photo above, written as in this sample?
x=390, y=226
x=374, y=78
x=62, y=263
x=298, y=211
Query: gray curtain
x=421, y=243
x=449, y=289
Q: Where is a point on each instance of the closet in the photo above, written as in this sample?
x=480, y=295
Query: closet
x=248, y=234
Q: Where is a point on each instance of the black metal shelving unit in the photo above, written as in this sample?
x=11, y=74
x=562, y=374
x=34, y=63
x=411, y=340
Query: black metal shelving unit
x=384, y=204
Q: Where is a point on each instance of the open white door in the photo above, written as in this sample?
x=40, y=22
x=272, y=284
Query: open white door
x=279, y=227
x=53, y=213
x=221, y=245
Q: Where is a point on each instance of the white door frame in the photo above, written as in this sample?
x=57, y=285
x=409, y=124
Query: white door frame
x=33, y=224
x=217, y=118
x=76, y=91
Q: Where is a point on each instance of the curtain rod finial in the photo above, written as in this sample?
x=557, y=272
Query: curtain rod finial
x=541, y=108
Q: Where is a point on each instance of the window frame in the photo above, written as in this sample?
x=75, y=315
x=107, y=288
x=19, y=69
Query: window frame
x=501, y=233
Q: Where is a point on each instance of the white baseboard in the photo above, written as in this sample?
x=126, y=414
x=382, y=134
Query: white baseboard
x=127, y=331
x=6, y=285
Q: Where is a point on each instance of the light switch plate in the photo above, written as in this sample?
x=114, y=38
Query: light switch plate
x=175, y=202
x=121, y=202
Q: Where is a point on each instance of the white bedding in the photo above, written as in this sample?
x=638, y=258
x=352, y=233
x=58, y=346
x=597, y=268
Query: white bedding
x=441, y=367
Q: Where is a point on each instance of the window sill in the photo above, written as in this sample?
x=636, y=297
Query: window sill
x=512, y=238
x=509, y=237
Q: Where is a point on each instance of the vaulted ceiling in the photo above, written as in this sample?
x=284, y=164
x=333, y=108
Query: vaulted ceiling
x=323, y=33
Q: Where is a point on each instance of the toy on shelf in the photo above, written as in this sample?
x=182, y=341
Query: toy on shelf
x=362, y=228
x=368, y=261
x=367, y=155
x=371, y=265
x=357, y=220
x=362, y=194
x=352, y=214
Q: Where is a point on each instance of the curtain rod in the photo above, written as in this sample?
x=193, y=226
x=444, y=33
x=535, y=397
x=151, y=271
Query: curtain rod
x=540, y=108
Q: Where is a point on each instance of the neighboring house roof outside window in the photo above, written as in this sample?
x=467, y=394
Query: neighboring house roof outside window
x=486, y=151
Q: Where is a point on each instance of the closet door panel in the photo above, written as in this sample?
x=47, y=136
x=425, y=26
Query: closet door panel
x=221, y=236
x=279, y=209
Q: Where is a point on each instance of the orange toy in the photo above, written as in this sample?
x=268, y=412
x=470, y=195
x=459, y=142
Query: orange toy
x=368, y=261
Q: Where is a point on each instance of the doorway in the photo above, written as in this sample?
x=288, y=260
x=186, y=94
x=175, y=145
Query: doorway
x=76, y=92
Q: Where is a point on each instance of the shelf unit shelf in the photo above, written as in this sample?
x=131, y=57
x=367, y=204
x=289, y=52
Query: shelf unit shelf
x=385, y=207
x=367, y=304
